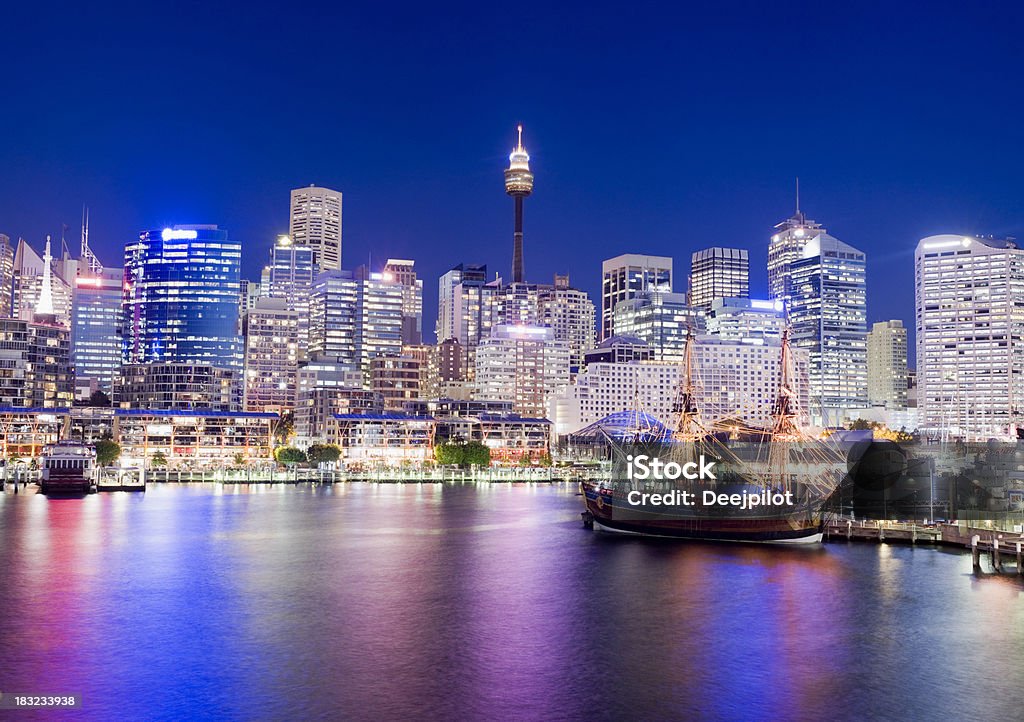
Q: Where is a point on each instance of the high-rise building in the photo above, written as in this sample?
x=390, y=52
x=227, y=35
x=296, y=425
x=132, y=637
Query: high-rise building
x=718, y=273
x=271, y=330
x=403, y=273
x=518, y=184
x=570, y=313
x=970, y=352
x=177, y=386
x=181, y=297
x=316, y=222
x=28, y=281
x=786, y=246
x=660, y=319
x=828, y=313
x=746, y=319
x=249, y=293
x=887, y=365
x=35, y=364
x=623, y=277
x=95, y=328
x=398, y=379
x=355, y=317
x=290, y=277
x=6, y=276
x=522, y=363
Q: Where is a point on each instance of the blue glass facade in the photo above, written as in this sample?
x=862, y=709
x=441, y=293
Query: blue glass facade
x=95, y=320
x=181, y=297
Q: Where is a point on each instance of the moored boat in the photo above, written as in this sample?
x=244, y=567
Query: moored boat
x=68, y=467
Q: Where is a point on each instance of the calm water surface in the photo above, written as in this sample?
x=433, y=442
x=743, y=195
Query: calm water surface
x=389, y=601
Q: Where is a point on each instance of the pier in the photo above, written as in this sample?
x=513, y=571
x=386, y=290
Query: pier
x=998, y=545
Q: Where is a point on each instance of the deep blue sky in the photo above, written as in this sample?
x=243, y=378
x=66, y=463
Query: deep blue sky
x=652, y=129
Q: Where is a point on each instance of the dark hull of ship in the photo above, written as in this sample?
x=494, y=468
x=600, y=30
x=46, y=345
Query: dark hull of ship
x=67, y=486
x=802, y=527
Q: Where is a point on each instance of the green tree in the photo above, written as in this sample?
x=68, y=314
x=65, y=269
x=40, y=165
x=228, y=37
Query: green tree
x=284, y=429
x=323, y=453
x=240, y=459
x=107, y=452
x=524, y=460
x=158, y=460
x=476, y=454
x=289, y=455
x=545, y=459
x=449, y=454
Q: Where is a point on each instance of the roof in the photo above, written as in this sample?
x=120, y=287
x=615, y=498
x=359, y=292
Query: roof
x=383, y=417
x=621, y=341
x=196, y=412
x=624, y=423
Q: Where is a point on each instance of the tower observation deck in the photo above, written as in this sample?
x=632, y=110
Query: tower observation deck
x=518, y=184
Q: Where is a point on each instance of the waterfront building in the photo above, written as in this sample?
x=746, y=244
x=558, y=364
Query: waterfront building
x=385, y=438
x=35, y=364
x=518, y=184
x=315, y=222
x=25, y=431
x=290, y=277
x=326, y=388
x=660, y=319
x=828, y=313
x=193, y=440
x=181, y=298
x=625, y=276
x=970, y=353
x=619, y=350
x=718, y=273
x=271, y=356
x=509, y=436
x=887, y=365
x=403, y=273
x=746, y=319
x=95, y=325
x=522, y=363
x=786, y=246
x=169, y=386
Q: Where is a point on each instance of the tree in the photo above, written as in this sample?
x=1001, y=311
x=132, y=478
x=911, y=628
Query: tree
x=158, y=460
x=545, y=459
x=99, y=398
x=449, y=454
x=289, y=455
x=476, y=454
x=284, y=429
x=524, y=460
x=323, y=453
x=240, y=459
x=107, y=452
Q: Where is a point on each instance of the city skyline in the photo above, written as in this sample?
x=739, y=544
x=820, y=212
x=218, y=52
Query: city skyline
x=877, y=168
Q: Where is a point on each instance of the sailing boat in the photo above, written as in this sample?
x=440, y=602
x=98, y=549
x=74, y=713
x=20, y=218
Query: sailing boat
x=703, y=482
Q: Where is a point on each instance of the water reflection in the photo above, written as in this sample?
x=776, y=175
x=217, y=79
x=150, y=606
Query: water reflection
x=434, y=600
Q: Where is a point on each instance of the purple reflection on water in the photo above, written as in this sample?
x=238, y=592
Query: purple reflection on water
x=429, y=601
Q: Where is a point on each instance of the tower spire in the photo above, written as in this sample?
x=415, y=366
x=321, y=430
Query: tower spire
x=518, y=184
x=45, y=304
x=798, y=195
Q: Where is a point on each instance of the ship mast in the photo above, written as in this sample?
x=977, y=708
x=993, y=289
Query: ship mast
x=689, y=425
x=785, y=411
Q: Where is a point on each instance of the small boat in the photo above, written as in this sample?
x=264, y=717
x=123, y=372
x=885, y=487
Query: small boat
x=68, y=467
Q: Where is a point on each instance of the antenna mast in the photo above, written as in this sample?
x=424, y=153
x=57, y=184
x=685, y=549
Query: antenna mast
x=86, y=253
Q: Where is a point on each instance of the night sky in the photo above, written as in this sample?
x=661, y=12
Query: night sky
x=651, y=130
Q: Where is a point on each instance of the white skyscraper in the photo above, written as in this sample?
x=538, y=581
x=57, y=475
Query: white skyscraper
x=316, y=222
x=718, y=273
x=887, y=365
x=786, y=246
x=403, y=273
x=828, y=314
x=271, y=356
x=623, y=277
x=970, y=326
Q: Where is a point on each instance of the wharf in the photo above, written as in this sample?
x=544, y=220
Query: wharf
x=998, y=545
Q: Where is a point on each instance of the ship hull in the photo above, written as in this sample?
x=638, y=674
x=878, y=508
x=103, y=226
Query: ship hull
x=803, y=527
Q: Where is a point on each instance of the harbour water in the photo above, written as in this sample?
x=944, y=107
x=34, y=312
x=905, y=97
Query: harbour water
x=478, y=601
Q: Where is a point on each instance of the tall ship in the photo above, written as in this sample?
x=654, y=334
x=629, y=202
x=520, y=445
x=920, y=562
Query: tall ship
x=68, y=467
x=724, y=482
